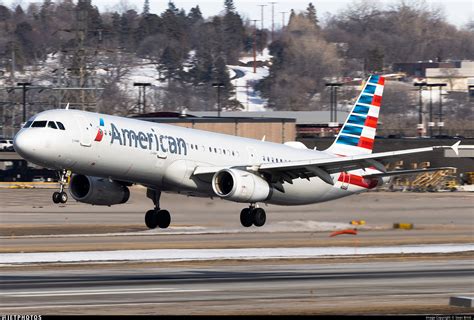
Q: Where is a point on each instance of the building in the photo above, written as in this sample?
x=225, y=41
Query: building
x=276, y=126
x=457, y=78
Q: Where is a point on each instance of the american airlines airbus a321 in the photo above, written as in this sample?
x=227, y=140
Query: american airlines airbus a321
x=107, y=154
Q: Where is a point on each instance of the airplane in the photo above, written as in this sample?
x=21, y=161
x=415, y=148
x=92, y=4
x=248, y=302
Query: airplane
x=107, y=154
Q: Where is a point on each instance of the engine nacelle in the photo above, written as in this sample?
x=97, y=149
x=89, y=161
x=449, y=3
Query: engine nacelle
x=97, y=191
x=240, y=186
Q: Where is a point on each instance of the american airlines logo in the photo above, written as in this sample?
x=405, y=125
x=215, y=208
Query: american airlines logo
x=100, y=132
x=148, y=140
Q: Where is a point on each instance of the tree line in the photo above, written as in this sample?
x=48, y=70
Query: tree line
x=192, y=52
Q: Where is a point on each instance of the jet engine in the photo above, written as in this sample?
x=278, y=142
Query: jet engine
x=97, y=191
x=240, y=186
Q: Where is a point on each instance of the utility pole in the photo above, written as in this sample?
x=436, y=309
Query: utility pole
x=283, y=20
x=273, y=19
x=254, y=46
x=262, y=6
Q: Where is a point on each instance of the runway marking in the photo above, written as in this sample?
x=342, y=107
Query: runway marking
x=98, y=292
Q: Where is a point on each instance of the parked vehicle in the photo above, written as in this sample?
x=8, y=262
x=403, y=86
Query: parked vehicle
x=6, y=145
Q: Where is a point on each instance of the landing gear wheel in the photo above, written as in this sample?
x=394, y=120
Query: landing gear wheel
x=246, y=217
x=151, y=220
x=62, y=197
x=259, y=217
x=157, y=218
x=164, y=219
x=56, y=196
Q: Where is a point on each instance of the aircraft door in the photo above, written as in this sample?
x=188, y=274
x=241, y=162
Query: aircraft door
x=85, y=131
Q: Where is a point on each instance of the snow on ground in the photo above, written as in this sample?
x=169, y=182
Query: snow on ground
x=244, y=82
x=225, y=254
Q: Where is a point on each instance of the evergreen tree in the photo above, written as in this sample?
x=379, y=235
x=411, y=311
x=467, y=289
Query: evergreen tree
x=195, y=15
x=146, y=8
x=311, y=15
x=229, y=6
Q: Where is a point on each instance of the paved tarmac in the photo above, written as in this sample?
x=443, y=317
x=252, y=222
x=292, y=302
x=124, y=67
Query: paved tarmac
x=317, y=288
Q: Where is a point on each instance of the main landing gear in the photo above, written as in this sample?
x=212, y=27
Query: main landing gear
x=156, y=217
x=61, y=196
x=253, y=216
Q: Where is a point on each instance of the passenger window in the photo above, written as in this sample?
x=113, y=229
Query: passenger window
x=38, y=124
x=60, y=126
x=27, y=124
x=51, y=124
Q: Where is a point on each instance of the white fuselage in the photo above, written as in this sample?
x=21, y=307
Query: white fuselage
x=164, y=156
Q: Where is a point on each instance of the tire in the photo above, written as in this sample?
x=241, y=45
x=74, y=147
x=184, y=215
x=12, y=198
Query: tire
x=246, y=218
x=56, y=197
x=151, y=219
x=164, y=219
x=259, y=217
x=63, y=197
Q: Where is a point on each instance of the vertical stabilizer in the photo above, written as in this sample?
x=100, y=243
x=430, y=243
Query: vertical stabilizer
x=357, y=135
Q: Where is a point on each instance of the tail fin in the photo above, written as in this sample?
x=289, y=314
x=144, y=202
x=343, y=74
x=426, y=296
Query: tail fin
x=358, y=132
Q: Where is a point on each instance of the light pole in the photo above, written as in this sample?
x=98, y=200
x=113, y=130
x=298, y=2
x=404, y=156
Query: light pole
x=24, y=85
x=333, y=101
x=440, y=110
x=141, y=95
x=218, y=85
x=420, y=111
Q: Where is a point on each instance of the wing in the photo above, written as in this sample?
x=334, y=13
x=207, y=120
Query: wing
x=324, y=167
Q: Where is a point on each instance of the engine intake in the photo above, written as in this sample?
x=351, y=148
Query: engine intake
x=240, y=186
x=98, y=191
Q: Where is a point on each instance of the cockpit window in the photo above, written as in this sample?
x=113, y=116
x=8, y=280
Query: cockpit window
x=52, y=124
x=27, y=124
x=39, y=124
x=60, y=126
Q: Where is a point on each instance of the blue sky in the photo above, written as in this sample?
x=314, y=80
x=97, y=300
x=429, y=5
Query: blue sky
x=458, y=12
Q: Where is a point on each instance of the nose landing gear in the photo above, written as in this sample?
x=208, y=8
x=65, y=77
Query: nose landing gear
x=61, y=196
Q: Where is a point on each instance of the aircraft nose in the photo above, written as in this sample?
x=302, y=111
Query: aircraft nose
x=24, y=144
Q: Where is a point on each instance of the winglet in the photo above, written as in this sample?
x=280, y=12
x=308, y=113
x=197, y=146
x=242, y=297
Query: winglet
x=455, y=147
x=67, y=106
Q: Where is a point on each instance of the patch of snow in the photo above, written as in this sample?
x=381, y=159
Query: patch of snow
x=244, y=82
x=225, y=254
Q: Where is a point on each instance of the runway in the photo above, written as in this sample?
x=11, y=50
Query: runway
x=317, y=288
x=293, y=284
